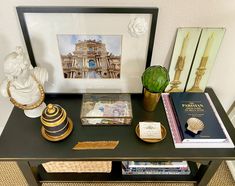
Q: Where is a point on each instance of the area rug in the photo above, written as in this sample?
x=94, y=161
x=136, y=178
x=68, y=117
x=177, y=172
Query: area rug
x=10, y=175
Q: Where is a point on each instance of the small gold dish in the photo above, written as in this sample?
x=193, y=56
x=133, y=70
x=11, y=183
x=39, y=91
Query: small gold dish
x=151, y=140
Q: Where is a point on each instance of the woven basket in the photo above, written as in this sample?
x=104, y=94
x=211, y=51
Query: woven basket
x=78, y=166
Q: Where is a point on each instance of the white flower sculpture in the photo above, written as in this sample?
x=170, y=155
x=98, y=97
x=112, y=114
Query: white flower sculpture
x=138, y=26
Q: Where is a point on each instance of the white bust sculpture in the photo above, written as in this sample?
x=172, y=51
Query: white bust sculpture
x=23, y=83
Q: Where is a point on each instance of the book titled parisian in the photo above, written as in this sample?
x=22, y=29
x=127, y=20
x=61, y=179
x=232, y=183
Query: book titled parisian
x=196, y=105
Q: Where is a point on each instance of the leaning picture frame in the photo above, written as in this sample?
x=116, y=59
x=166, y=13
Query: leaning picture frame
x=90, y=49
x=231, y=115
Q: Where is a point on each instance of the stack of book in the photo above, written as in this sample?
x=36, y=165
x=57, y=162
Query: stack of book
x=211, y=132
x=155, y=168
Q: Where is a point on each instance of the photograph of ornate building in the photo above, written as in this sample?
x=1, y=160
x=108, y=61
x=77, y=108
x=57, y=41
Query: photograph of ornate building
x=93, y=57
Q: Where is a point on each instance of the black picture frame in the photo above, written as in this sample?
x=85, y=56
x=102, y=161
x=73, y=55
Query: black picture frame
x=23, y=10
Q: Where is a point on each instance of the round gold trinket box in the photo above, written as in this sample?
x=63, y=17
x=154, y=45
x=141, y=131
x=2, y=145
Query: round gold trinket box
x=56, y=125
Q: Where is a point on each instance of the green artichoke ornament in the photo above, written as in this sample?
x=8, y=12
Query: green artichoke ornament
x=155, y=79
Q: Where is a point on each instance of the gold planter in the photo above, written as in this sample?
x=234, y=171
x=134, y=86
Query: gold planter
x=150, y=100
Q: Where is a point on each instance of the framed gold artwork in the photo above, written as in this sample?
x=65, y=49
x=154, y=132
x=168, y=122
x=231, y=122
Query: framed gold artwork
x=231, y=115
x=208, y=47
x=181, y=61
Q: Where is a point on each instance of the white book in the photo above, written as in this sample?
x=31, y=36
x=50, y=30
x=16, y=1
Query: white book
x=175, y=131
x=157, y=164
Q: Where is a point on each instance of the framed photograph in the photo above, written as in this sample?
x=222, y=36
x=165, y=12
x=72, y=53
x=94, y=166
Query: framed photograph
x=90, y=49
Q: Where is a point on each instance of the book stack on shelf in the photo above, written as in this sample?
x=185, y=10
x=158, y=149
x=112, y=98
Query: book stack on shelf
x=207, y=129
x=155, y=168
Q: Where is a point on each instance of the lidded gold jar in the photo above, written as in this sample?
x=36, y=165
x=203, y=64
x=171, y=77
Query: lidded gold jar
x=56, y=125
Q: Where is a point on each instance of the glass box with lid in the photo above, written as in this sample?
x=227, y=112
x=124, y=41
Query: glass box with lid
x=106, y=109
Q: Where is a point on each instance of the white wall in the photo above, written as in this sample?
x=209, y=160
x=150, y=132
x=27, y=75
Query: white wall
x=172, y=14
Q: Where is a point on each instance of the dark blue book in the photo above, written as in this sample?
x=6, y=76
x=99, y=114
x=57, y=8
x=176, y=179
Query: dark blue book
x=206, y=127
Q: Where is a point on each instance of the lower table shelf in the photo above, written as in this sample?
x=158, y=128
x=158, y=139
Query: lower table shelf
x=115, y=175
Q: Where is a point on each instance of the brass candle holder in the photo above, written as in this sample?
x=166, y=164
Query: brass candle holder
x=202, y=66
x=179, y=66
x=199, y=74
x=178, y=69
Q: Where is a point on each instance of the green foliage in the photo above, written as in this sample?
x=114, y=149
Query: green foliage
x=155, y=78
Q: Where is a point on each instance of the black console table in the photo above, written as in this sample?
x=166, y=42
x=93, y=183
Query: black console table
x=21, y=141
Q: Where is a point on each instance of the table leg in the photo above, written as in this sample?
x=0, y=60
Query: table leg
x=28, y=173
x=206, y=172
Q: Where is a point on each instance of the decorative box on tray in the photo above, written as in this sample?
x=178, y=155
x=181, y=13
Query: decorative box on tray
x=106, y=109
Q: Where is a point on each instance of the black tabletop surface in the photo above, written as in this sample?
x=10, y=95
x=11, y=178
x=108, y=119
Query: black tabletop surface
x=22, y=139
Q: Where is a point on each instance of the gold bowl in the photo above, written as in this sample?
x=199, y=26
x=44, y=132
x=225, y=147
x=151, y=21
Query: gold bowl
x=151, y=140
